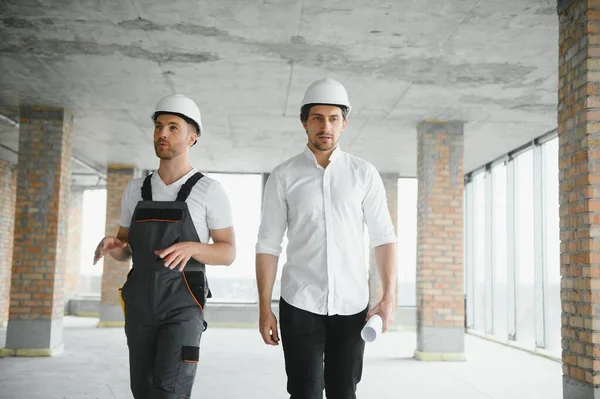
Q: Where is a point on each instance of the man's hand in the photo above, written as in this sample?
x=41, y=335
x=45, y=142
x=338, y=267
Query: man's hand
x=106, y=245
x=268, y=327
x=385, y=309
x=177, y=254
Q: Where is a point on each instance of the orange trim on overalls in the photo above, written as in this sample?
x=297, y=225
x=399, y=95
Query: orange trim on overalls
x=191, y=293
x=157, y=220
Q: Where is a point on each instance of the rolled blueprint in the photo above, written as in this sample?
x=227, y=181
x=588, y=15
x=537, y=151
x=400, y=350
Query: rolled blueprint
x=372, y=329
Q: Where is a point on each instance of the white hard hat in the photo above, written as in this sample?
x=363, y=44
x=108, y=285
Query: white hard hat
x=182, y=105
x=326, y=91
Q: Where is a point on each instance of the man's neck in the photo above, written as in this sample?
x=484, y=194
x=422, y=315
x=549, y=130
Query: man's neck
x=322, y=157
x=174, y=169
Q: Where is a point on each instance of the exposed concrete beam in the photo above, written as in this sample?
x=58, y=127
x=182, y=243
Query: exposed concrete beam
x=89, y=167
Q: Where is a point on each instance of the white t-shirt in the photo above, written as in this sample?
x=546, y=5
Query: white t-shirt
x=208, y=203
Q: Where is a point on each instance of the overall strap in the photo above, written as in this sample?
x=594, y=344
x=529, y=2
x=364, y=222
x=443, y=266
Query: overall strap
x=186, y=189
x=147, y=188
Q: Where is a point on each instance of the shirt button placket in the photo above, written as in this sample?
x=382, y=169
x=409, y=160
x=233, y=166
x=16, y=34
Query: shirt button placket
x=329, y=240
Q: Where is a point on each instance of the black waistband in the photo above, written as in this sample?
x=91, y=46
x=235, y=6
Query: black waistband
x=160, y=268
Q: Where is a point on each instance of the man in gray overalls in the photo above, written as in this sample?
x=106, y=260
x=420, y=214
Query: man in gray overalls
x=167, y=220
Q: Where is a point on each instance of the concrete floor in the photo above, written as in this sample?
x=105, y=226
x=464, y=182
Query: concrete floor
x=235, y=364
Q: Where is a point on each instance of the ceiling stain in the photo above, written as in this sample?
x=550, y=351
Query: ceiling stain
x=53, y=47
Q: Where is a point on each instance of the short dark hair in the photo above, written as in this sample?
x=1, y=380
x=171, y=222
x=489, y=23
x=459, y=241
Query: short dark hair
x=182, y=116
x=305, y=110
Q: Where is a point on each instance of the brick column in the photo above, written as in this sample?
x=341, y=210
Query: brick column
x=73, y=266
x=8, y=193
x=579, y=179
x=390, y=183
x=440, y=305
x=39, y=254
x=114, y=273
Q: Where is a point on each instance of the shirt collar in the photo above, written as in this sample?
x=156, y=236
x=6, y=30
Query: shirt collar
x=334, y=155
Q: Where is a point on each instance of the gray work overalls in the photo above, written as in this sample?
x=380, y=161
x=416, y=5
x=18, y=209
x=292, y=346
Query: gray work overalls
x=163, y=308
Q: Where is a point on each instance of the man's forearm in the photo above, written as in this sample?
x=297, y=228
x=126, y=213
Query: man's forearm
x=219, y=253
x=385, y=256
x=266, y=272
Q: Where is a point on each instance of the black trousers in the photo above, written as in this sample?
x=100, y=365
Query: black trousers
x=321, y=352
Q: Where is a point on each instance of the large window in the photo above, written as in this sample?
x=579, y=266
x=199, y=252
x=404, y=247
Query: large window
x=499, y=251
x=92, y=231
x=237, y=283
x=407, y=241
x=479, y=251
x=524, y=249
x=512, y=249
x=551, y=247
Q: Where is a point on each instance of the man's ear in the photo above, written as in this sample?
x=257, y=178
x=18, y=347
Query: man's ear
x=193, y=139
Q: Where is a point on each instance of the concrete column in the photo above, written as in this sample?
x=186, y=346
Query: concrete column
x=440, y=305
x=114, y=273
x=390, y=183
x=73, y=266
x=40, y=244
x=579, y=192
x=8, y=193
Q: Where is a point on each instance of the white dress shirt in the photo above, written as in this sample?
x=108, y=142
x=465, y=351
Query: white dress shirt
x=325, y=211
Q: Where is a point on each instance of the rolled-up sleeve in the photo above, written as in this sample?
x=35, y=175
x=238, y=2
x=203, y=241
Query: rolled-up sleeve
x=274, y=217
x=376, y=212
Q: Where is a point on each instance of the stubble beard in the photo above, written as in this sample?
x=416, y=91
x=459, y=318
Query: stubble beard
x=324, y=147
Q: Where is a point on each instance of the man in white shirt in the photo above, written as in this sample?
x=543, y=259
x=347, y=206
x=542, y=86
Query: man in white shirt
x=167, y=220
x=323, y=197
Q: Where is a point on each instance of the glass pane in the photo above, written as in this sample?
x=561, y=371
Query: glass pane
x=407, y=241
x=479, y=251
x=237, y=283
x=524, y=249
x=552, y=247
x=92, y=231
x=499, y=251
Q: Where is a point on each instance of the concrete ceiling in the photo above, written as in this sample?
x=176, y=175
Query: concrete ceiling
x=246, y=63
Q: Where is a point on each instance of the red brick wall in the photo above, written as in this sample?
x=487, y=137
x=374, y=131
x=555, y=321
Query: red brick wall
x=114, y=273
x=440, y=225
x=73, y=265
x=41, y=218
x=579, y=157
x=8, y=192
